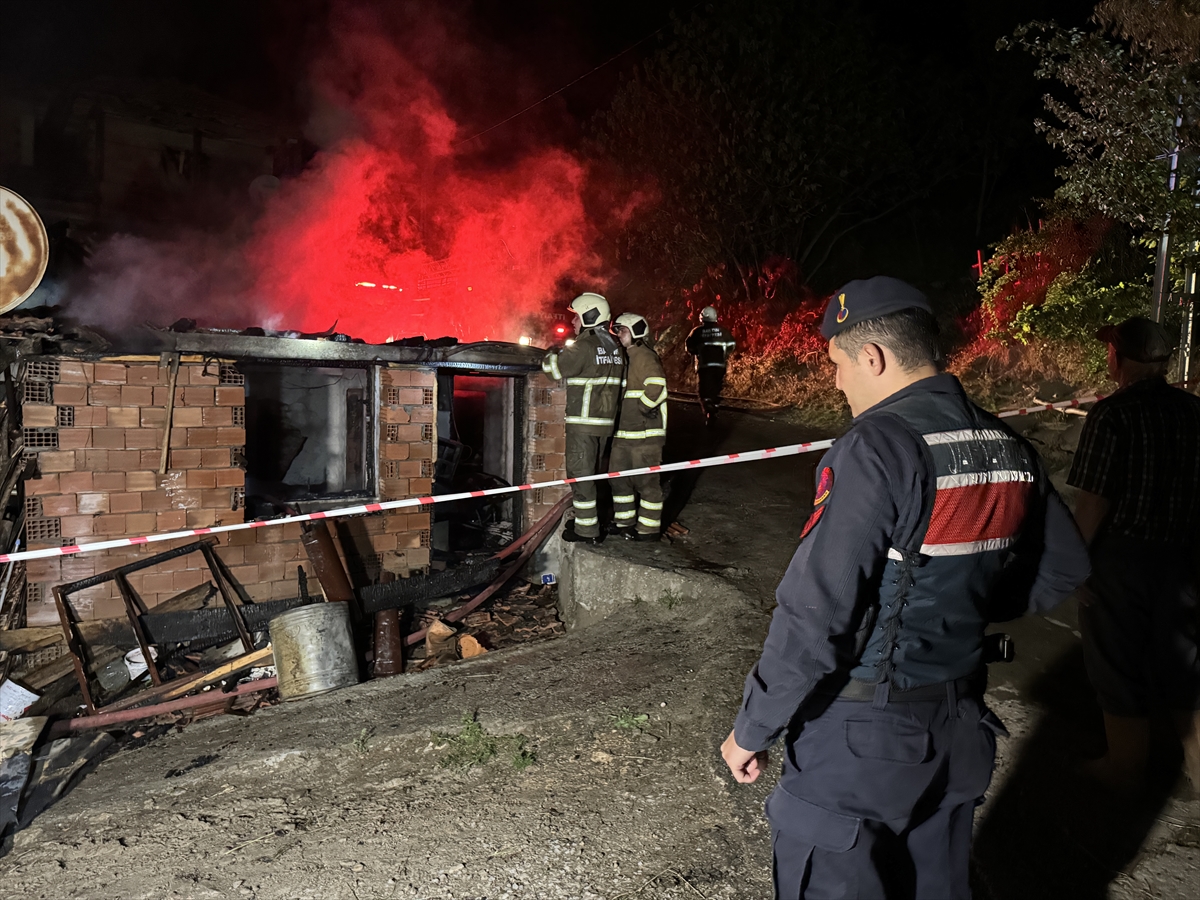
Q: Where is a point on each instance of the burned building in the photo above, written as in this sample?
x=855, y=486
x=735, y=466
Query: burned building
x=163, y=431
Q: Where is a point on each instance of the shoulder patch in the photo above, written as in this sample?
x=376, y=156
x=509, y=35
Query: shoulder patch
x=824, y=489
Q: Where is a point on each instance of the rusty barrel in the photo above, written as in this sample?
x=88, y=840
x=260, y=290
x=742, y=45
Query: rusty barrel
x=314, y=650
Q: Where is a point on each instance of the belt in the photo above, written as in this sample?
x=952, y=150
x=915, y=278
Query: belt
x=865, y=691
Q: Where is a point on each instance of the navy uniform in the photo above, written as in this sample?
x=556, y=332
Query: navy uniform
x=711, y=345
x=930, y=519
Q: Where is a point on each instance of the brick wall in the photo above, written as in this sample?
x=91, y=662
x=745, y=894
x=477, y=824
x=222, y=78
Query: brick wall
x=546, y=444
x=97, y=432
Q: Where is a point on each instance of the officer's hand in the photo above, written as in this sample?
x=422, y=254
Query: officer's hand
x=746, y=765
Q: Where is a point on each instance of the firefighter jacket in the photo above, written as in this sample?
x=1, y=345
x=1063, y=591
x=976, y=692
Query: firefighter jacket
x=931, y=519
x=711, y=345
x=593, y=369
x=644, y=404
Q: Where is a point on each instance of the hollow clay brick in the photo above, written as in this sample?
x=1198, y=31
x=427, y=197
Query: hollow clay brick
x=231, y=437
x=231, y=396
x=395, y=451
x=111, y=525
x=124, y=417
x=198, y=395
x=71, y=370
x=124, y=460
x=140, y=523
x=185, y=499
x=217, y=416
x=161, y=394
x=75, y=526
x=215, y=458
x=70, y=394
x=91, y=416
x=394, y=415
x=74, y=482
x=74, y=438
x=148, y=459
x=56, y=461
x=201, y=518
x=59, y=505
x=137, y=395
x=230, y=477
x=125, y=503
x=201, y=437
x=108, y=481
x=220, y=498
x=420, y=487
x=172, y=520
x=109, y=373
x=422, y=378
x=152, y=417
x=141, y=481
x=187, y=417
x=185, y=459
x=209, y=373
x=39, y=415
x=158, y=501
x=143, y=438
x=159, y=582
x=47, y=484
x=108, y=438
x=104, y=395
x=201, y=478
x=150, y=375
x=92, y=503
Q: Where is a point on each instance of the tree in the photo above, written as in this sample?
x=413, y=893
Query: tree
x=772, y=129
x=1136, y=80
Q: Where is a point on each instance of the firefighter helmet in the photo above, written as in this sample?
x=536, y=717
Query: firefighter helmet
x=637, y=326
x=708, y=314
x=592, y=309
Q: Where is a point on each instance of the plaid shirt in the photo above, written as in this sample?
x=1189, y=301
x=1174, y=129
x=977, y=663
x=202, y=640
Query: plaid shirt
x=1140, y=450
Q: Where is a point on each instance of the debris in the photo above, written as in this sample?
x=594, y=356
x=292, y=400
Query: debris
x=16, y=754
x=440, y=642
x=14, y=700
x=469, y=647
x=388, y=647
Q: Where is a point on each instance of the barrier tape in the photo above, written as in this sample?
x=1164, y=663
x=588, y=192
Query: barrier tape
x=417, y=502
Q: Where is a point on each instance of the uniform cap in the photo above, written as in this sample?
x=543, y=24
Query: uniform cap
x=869, y=298
x=708, y=314
x=1138, y=339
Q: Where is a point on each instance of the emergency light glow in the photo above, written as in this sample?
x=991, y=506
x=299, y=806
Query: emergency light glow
x=561, y=329
x=524, y=340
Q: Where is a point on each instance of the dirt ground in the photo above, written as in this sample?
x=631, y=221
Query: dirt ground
x=344, y=795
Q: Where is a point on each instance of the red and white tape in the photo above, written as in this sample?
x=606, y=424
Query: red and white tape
x=411, y=502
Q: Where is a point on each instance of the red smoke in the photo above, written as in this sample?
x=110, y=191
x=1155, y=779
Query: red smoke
x=407, y=222
x=466, y=247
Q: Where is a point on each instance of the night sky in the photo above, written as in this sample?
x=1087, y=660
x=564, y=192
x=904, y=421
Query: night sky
x=256, y=53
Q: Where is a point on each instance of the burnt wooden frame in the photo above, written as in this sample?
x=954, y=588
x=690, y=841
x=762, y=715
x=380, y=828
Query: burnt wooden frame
x=136, y=607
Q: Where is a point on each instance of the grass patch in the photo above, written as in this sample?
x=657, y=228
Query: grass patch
x=670, y=599
x=473, y=746
x=360, y=742
x=627, y=720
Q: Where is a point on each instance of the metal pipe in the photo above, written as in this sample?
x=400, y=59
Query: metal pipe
x=322, y=553
x=105, y=719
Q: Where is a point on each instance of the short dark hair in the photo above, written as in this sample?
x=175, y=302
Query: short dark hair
x=911, y=335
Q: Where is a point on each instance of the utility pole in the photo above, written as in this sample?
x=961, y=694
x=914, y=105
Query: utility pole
x=1162, y=264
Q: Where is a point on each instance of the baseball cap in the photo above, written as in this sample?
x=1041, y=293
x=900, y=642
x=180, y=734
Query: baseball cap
x=1139, y=339
x=869, y=298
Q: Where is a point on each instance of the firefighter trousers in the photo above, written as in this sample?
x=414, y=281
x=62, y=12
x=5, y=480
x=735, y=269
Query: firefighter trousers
x=583, y=458
x=641, y=496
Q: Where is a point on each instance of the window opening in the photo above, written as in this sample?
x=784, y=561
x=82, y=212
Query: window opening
x=309, y=438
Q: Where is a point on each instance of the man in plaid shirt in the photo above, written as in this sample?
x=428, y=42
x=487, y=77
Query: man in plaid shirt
x=1138, y=474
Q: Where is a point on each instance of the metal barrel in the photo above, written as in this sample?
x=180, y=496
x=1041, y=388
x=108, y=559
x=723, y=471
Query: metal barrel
x=314, y=650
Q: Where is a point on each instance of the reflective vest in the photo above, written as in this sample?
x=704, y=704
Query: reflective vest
x=929, y=623
x=593, y=369
x=644, y=404
x=711, y=345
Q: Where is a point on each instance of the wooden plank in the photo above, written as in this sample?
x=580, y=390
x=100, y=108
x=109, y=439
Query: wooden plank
x=177, y=688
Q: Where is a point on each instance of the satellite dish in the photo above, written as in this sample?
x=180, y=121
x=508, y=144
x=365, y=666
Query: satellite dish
x=24, y=249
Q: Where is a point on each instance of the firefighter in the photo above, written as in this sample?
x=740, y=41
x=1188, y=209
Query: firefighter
x=593, y=368
x=641, y=433
x=711, y=345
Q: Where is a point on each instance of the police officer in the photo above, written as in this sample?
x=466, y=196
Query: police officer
x=641, y=433
x=711, y=345
x=593, y=368
x=930, y=518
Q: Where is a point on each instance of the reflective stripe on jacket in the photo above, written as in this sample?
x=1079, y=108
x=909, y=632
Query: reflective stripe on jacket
x=593, y=369
x=711, y=345
x=644, y=405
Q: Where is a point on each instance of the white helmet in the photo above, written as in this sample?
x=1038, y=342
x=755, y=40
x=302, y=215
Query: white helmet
x=708, y=314
x=637, y=326
x=592, y=309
